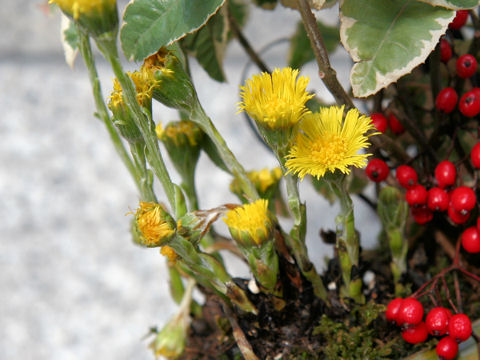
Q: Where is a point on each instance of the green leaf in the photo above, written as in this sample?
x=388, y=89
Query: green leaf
x=387, y=39
x=208, y=45
x=151, y=24
x=300, y=49
x=453, y=4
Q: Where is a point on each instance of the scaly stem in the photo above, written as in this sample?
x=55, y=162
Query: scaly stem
x=142, y=119
x=86, y=51
x=326, y=72
x=296, y=240
x=347, y=245
x=146, y=180
x=234, y=167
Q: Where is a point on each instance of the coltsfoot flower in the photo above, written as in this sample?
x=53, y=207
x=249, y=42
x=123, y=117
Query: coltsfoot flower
x=96, y=16
x=180, y=133
x=277, y=100
x=250, y=224
x=154, y=224
x=264, y=181
x=326, y=142
x=169, y=253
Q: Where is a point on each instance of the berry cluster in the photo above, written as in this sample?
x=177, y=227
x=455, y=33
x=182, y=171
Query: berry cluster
x=466, y=66
x=408, y=313
x=443, y=196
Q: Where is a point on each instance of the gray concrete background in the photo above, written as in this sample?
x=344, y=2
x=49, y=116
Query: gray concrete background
x=72, y=284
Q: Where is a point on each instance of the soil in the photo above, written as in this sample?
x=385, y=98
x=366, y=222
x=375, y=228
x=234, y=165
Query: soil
x=288, y=330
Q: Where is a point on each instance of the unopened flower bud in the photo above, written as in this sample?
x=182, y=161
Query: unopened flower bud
x=154, y=224
x=174, y=88
x=250, y=224
x=97, y=17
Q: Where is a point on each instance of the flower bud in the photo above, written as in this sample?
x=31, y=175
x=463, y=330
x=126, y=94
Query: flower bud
x=122, y=117
x=265, y=181
x=183, y=140
x=96, y=17
x=171, y=340
x=174, y=88
x=250, y=224
x=154, y=224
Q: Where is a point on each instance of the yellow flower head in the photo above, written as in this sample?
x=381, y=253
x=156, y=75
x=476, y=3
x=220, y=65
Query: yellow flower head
x=169, y=253
x=96, y=16
x=327, y=142
x=116, y=96
x=157, y=62
x=180, y=133
x=154, y=223
x=84, y=7
x=250, y=224
x=144, y=82
x=276, y=100
x=262, y=179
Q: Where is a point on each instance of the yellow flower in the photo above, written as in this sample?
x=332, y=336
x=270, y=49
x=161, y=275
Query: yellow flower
x=276, y=100
x=154, y=223
x=95, y=16
x=326, y=142
x=169, y=253
x=181, y=133
x=250, y=224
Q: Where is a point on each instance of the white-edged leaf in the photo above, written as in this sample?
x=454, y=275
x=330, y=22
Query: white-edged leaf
x=151, y=24
x=388, y=38
x=454, y=4
x=69, y=40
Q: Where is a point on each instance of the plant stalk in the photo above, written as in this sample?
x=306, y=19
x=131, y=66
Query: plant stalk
x=141, y=117
x=347, y=244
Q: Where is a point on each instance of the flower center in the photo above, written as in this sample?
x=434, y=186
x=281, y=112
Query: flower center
x=330, y=149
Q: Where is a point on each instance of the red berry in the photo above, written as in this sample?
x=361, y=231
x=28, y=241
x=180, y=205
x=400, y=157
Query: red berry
x=395, y=125
x=469, y=104
x=392, y=309
x=471, y=239
x=445, y=173
x=437, y=199
x=437, y=320
x=459, y=20
x=445, y=50
x=410, y=312
x=377, y=170
x=407, y=176
x=459, y=327
x=447, y=348
x=416, y=195
x=463, y=199
x=475, y=155
x=456, y=217
x=422, y=214
x=446, y=100
x=478, y=223
x=466, y=66
x=379, y=121
x=415, y=334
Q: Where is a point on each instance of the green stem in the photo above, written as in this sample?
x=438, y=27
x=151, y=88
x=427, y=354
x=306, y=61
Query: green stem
x=86, y=51
x=296, y=240
x=347, y=244
x=398, y=249
x=234, y=167
x=141, y=117
x=212, y=272
x=146, y=181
